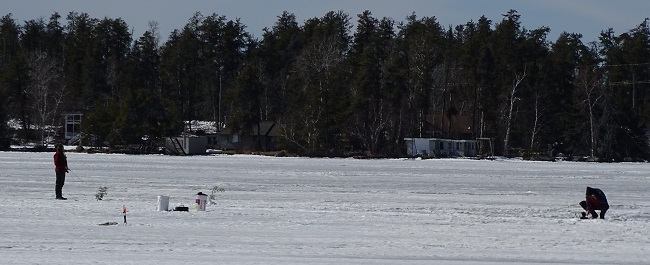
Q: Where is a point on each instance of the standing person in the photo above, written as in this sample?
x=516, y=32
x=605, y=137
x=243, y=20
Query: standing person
x=61, y=167
x=595, y=200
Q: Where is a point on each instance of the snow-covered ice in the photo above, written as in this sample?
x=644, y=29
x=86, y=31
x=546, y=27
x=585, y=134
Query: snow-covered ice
x=320, y=211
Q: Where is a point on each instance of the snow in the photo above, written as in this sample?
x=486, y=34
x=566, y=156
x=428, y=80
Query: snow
x=320, y=211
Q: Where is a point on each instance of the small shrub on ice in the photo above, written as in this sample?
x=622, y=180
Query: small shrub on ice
x=101, y=192
x=213, y=196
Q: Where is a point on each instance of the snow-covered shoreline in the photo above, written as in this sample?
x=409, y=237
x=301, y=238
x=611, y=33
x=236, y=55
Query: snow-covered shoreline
x=320, y=211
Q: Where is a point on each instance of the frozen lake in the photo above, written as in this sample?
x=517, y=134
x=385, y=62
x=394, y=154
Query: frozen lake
x=320, y=211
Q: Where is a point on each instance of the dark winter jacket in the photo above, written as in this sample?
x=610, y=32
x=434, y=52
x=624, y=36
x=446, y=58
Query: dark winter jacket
x=596, y=199
x=60, y=161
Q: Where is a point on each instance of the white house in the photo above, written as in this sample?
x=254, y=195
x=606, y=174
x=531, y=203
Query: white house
x=436, y=147
x=187, y=144
x=72, y=127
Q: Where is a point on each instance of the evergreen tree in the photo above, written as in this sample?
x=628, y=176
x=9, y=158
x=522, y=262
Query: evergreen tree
x=533, y=117
x=180, y=68
x=317, y=99
x=370, y=110
x=109, y=52
x=278, y=52
x=507, y=41
x=246, y=116
x=622, y=127
x=212, y=74
x=13, y=75
x=423, y=41
x=78, y=60
x=236, y=43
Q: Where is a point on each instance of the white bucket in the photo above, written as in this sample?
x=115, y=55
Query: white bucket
x=201, y=201
x=163, y=203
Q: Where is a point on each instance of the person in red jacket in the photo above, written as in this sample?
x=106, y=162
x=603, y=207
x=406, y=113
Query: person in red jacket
x=61, y=167
x=595, y=199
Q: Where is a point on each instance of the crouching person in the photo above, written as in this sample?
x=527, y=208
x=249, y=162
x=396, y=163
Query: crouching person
x=595, y=200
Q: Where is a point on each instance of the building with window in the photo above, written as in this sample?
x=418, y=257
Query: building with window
x=72, y=127
x=436, y=147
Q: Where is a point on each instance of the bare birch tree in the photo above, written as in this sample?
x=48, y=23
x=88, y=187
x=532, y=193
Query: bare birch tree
x=45, y=88
x=518, y=78
x=539, y=112
x=316, y=66
x=589, y=85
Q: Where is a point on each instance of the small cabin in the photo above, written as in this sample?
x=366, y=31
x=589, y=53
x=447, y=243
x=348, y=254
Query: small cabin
x=437, y=147
x=72, y=127
x=187, y=145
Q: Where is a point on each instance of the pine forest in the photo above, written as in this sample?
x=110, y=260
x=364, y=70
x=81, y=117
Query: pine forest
x=335, y=85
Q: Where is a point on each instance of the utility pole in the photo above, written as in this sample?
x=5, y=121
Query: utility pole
x=220, y=74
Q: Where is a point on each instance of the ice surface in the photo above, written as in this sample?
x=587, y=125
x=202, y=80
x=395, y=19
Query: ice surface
x=320, y=211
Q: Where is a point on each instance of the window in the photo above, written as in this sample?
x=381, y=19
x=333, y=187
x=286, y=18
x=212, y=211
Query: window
x=73, y=118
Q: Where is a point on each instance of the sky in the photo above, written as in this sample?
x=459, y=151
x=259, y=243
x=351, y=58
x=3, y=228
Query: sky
x=588, y=17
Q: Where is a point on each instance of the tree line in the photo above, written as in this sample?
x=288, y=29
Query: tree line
x=330, y=87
